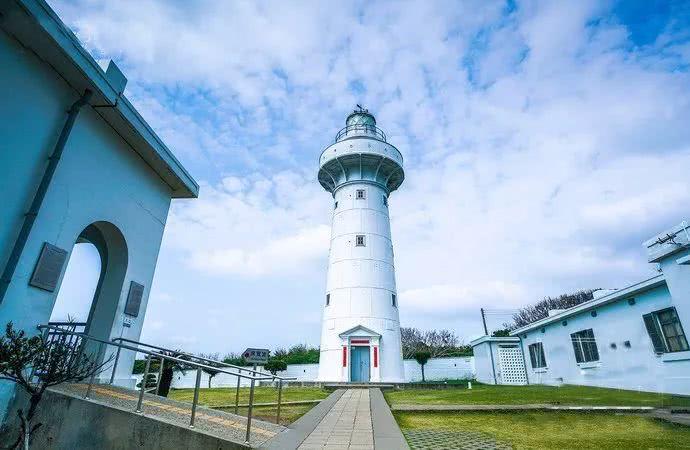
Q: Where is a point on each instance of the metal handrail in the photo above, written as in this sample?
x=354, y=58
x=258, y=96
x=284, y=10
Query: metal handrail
x=208, y=360
x=358, y=128
x=46, y=329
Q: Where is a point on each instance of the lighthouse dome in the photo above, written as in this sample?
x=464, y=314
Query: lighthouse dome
x=361, y=117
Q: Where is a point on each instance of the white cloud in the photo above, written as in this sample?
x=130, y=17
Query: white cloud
x=541, y=146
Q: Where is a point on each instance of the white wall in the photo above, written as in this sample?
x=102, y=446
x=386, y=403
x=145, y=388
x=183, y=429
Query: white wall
x=437, y=369
x=636, y=368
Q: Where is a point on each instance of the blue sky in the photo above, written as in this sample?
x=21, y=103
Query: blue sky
x=543, y=142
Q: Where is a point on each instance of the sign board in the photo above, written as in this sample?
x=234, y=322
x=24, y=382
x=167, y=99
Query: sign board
x=256, y=355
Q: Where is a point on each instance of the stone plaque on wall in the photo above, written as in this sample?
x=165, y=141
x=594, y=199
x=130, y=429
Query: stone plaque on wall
x=136, y=292
x=48, y=268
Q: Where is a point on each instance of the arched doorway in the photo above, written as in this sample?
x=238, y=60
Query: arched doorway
x=100, y=253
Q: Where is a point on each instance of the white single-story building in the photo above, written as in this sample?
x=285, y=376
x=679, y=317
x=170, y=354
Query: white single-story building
x=631, y=338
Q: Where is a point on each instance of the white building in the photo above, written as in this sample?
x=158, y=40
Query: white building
x=631, y=338
x=360, y=338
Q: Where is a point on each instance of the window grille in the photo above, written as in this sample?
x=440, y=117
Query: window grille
x=360, y=194
x=585, y=346
x=360, y=242
x=665, y=331
x=536, y=355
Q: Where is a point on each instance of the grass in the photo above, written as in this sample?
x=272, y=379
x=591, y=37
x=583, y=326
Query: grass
x=557, y=430
x=483, y=394
x=288, y=413
x=218, y=397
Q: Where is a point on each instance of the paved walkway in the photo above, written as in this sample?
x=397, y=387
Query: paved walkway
x=346, y=426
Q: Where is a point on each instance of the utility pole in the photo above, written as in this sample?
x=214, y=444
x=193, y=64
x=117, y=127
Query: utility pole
x=486, y=332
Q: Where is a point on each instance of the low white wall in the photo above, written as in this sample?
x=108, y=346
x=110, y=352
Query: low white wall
x=437, y=369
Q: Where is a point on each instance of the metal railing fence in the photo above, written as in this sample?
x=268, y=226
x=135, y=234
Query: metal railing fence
x=53, y=332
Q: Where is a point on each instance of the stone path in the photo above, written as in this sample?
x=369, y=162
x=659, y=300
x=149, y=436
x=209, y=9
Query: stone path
x=346, y=426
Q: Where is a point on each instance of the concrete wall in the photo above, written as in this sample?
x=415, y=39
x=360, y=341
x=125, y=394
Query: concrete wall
x=72, y=423
x=99, y=179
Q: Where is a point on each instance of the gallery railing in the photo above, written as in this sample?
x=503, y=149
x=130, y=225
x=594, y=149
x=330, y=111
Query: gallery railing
x=53, y=332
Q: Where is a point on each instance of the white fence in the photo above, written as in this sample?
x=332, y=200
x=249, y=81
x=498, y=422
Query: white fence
x=436, y=369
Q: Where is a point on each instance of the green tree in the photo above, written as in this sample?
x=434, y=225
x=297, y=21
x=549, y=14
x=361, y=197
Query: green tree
x=275, y=365
x=504, y=332
x=210, y=372
x=169, y=369
x=422, y=357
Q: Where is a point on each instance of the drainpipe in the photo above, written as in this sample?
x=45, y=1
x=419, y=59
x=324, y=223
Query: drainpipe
x=30, y=216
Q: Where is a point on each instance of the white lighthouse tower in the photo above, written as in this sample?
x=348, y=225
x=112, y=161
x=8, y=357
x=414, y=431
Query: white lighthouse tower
x=360, y=337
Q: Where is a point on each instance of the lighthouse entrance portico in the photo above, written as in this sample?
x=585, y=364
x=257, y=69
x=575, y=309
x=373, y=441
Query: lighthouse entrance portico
x=360, y=347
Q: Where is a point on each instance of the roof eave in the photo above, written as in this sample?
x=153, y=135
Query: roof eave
x=40, y=29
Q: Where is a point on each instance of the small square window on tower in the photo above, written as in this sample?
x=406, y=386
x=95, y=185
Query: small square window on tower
x=328, y=299
x=359, y=241
x=360, y=194
x=394, y=300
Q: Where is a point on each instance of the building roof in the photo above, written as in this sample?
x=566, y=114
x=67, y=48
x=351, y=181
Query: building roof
x=37, y=27
x=359, y=330
x=625, y=292
x=485, y=338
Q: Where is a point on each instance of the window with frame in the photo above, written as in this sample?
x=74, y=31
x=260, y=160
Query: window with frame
x=360, y=194
x=328, y=299
x=536, y=355
x=394, y=300
x=585, y=346
x=665, y=331
x=359, y=241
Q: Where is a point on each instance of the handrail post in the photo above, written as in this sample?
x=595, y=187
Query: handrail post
x=249, y=412
x=93, y=375
x=143, y=384
x=160, y=375
x=117, y=358
x=196, y=397
x=280, y=394
x=237, y=393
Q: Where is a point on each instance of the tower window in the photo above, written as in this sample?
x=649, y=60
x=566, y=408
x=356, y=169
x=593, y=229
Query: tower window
x=359, y=241
x=360, y=194
x=385, y=200
x=328, y=299
x=335, y=205
x=394, y=300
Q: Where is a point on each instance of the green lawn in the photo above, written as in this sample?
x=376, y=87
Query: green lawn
x=482, y=394
x=216, y=397
x=557, y=430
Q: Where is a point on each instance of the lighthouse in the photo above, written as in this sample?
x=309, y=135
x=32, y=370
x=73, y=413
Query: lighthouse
x=360, y=335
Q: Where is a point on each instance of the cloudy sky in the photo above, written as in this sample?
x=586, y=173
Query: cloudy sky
x=543, y=142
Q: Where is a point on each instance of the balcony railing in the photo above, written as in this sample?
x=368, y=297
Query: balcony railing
x=360, y=129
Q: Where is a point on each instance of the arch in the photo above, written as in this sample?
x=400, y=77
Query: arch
x=113, y=252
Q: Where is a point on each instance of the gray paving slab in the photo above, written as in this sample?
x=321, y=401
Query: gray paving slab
x=528, y=407
x=387, y=434
x=348, y=425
